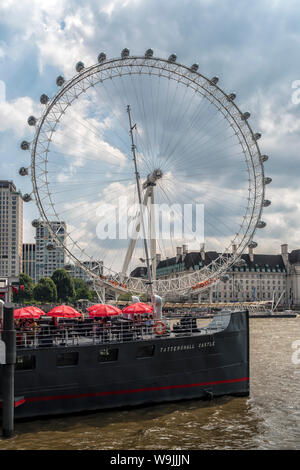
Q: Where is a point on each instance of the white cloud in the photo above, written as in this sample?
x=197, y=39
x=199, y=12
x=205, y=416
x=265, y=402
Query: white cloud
x=14, y=114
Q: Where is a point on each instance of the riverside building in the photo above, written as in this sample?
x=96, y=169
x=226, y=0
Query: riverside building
x=49, y=256
x=29, y=259
x=262, y=277
x=11, y=230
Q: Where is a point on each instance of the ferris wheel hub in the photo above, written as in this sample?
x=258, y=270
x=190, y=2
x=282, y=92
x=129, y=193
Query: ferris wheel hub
x=152, y=178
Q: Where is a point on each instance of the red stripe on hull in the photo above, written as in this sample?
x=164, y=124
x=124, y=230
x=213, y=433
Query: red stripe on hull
x=136, y=390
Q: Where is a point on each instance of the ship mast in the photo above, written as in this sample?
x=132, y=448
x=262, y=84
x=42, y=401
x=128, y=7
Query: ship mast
x=138, y=184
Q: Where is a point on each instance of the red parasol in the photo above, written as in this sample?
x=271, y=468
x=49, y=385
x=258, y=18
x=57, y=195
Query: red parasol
x=103, y=310
x=138, y=308
x=26, y=313
x=35, y=309
x=64, y=311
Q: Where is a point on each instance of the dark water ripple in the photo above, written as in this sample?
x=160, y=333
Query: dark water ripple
x=268, y=419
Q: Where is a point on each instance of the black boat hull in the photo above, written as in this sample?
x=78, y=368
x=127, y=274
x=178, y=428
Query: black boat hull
x=177, y=368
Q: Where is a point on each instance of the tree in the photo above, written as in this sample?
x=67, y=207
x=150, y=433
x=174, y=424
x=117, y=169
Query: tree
x=125, y=296
x=27, y=293
x=64, y=284
x=45, y=290
x=81, y=289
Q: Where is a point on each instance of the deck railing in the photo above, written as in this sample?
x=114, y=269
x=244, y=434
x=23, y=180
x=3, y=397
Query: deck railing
x=74, y=333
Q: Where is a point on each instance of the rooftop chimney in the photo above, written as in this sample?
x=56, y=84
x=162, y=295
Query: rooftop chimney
x=202, y=251
x=251, y=254
x=178, y=252
x=285, y=253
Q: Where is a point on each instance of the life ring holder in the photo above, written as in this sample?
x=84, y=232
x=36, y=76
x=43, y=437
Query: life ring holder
x=159, y=331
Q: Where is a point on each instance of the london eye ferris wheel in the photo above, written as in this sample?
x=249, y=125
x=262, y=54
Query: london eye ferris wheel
x=132, y=134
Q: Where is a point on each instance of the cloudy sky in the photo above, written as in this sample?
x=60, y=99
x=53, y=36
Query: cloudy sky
x=252, y=46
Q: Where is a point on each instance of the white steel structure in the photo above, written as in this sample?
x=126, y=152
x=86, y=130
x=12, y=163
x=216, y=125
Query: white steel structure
x=190, y=142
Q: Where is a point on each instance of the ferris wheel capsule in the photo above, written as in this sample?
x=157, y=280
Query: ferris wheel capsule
x=257, y=136
x=44, y=99
x=101, y=57
x=214, y=80
x=125, y=53
x=264, y=158
x=194, y=68
x=172, y=58
x=23, y=171
x=27, y=198
x=266, y=203
x=50, y=246
x=79, y=66
x=35, y=223
x=68, y=267
x=25, y=145
x=252, y=244
x=232, y=96
x=245, y=116
x=261, y=224
x=224, y=277
x=31, y=120
x=267, y=180
x=149, y=53
x=60, y=81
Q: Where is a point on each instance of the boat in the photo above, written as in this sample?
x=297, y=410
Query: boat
x=78, y=366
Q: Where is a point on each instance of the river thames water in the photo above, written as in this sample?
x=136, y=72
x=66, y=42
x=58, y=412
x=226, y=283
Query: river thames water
x=268, y=419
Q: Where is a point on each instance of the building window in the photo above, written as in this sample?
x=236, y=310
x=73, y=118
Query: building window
x=108, y=355
x=67, y=359
x=26, y=362
x=145, y=351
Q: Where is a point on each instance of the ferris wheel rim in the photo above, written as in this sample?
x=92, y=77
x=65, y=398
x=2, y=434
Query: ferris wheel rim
x=140, y=61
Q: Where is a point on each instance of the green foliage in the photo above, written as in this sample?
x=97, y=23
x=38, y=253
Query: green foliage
x=27, y=294
x=64, y=284
x=125, y=296
x=45, y=290
x=81, y=290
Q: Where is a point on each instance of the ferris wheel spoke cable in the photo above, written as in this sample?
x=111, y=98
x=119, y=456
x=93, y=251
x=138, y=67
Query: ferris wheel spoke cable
x=89, y=183
x=217, y=189
x=167, y=124
x=210, y=162
x=194, y=149
x=168, y=201
x=92, y=145
x=213, y=216
x=200, y=143
x=178, y=125
x=96, y=133
x=197, y=141
x=146, y=120
x=154, y=119
x=197, y=157
x=71, y=156
x=117, y=134
x=189, y=199
x=139, y=119
x=79, y=203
